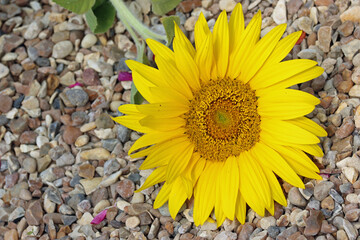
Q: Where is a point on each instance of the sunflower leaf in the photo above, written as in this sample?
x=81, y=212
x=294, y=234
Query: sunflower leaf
x=168, y=23
x=76, y=6
x=161, y=7
x=101, y=17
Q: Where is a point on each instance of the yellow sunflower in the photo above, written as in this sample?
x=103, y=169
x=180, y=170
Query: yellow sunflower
x=221, y=123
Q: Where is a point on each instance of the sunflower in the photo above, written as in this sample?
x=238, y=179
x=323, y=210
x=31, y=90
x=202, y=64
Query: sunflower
x=221, y=125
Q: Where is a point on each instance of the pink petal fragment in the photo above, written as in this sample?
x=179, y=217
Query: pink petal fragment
x=75, y=84
x=100, y=217
x=125, y=76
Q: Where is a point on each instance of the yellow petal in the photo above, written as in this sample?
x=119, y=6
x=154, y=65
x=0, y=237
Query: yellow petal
x=284, y=110
x=187, y=67
x=312, y=149
x=162, y=124
x=219, y=212
x=197, y=170
x=177, y=198
x=163, y=195
x=129, y=109
x=201, y=31
x=156, y=137
x=221, y=44
x=254, y=186
x=204, y=198
x=270, y=159
x=283, y=132
x=163, y=110
x=163, y=152
x=261, y=52
x=240, y=209
x=188, y=187
x=236, y=27
x=276, y=190
x=230, y=183
x=179, y=161
x=283, y=47
x=133, y=122
x=288, y=96
x=309, y=125
x=182, y=42
x=243, y=49
x=276, y=73
x=157, y=176
x=204, y=59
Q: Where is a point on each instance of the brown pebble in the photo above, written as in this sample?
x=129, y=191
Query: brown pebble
x=71, y=134
x=125, y=188
x=6, y=103
x=11, y=235
x=86, y=171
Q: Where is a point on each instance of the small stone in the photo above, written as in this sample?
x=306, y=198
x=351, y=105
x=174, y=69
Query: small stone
x=77, y=97
x=324, y=37
x=350, y=173
x=68, y=79
x=346, y=28
x=296, y=198
x=352, y=215
x=154, y=229
x=344, y=224
x=90, y=77
x=34, y=213
x=132, y=222
x=86, y=171
x=351, y=14
x=101, y=206
x=90, y=185
x=85, y=219
x=71, y=134
x=18, y=126
x=33, y=30
x=313, y=223
x=88, y=41
x=279, y=13
x=227, y=5
x=65, y=160
x=11, y=235
x=29, y=165
x=293, y=6
x=355, y=91
x=321, y=190
x=25, y=195
x=328, y=203
x=351, y=48
x=95, y=154
x=125, y=188
x=346, y=128
x=44, y=48
x=104, y=121
x=225, y=235
x=305, y=24
x=111, y=166
x=62, y=49
x=82, y=140
x=6, y=102
x=267, y=222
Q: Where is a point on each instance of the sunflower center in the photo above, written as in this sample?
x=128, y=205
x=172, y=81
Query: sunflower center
x=223, y=120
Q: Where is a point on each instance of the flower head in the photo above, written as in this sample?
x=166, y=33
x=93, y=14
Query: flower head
x=221, y=123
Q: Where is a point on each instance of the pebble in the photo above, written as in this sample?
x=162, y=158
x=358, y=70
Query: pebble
x=62, y=49
x=65, y=160
x=279, y=13
x=88, y=41
x=4, y=70
x=71, y=134
x=125, y=188
x=95, y=154
x=6, y=102
x=296, y=198
x=351, y=14
x=132, y=222
x=77, y=97
x=29, y=165
x=227, y=5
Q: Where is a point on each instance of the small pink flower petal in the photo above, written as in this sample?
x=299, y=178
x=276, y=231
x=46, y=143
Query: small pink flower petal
x=125, y=76
x=75, y=84
x=100, y=217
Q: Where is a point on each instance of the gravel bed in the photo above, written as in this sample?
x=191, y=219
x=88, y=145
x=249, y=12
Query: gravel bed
x=63, y=159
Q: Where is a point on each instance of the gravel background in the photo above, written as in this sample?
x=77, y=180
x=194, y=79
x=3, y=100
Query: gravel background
x=63, y=160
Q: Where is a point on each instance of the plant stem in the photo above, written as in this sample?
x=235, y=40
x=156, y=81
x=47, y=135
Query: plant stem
x=124, y=14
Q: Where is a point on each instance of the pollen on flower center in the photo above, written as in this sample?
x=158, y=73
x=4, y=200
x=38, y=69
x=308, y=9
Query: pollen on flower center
x=223, y=120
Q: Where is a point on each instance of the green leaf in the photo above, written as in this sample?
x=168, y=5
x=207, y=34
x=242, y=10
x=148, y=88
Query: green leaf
x=135, y=96
x=168, y=23
x=101, y=18
x=161, y=7
x=98, y=3
x=76, y=6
